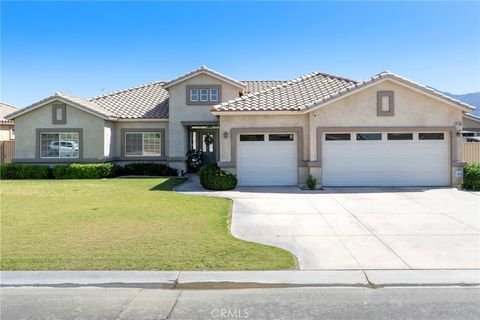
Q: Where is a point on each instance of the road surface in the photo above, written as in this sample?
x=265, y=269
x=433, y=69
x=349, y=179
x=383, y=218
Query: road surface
x=281, y=303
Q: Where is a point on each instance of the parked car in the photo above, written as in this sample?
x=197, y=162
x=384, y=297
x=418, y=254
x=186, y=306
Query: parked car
x=68, y=148
x=473, y=139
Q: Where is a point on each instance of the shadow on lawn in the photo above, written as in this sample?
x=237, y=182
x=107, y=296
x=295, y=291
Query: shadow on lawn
x=168, y=184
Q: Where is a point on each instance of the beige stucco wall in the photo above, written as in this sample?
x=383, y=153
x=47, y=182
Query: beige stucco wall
x=180, y=111
x=26, y=125
x=119, y=125
x=412, y=109
x=275, y=121
x=6, y=132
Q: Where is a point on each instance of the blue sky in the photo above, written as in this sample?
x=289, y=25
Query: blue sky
x=91, y=48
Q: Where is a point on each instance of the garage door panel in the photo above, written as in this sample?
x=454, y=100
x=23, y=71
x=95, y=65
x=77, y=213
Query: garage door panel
x=386, y=162
x=267, y=163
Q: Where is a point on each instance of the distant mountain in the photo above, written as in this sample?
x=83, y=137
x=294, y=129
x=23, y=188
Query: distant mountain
x=472, y=99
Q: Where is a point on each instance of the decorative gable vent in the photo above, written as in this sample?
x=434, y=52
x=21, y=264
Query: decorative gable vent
x=385, y=104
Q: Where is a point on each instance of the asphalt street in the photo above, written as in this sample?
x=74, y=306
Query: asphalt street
x=281, y=303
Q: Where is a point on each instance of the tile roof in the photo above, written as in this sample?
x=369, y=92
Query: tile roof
x=314, y=90
x=6, y=109
x=148, y=101
x=388, y=75
x=203, y=69
x=292, y=95
x=257, y=85
x=74, y=100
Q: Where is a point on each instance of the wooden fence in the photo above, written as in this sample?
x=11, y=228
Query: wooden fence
x=7, y=151
x=471, y=152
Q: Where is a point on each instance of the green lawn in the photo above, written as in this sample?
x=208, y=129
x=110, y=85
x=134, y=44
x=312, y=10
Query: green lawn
x=122, y=224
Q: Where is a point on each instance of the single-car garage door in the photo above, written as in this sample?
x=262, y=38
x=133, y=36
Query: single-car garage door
x=267, y=159
x=385, y=159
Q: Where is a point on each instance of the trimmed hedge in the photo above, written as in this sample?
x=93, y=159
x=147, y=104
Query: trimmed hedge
x=84, y=171
x=147, y=169
x=24, y=171
x=471, y=176
x=213, y=178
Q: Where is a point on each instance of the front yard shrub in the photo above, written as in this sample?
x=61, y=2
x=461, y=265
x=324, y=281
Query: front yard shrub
x=207, y=169
x=471, y=176
x=24, y=171
x=213, y=178
x=147, y=169
x=194, y=160
x=84, y=171
x=311, y=182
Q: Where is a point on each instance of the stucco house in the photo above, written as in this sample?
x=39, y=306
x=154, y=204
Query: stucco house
x=7, y=127
x=385, y=131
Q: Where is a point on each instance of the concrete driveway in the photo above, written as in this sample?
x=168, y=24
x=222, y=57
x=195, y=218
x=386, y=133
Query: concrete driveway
x=363, y=228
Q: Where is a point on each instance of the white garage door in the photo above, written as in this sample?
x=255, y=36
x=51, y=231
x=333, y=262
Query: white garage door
x=386, y=159
x=267, y=159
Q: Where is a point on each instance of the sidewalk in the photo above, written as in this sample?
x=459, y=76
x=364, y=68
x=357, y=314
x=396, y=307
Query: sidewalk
x=240, y=279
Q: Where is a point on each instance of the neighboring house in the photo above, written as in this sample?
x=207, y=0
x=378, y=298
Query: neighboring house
x=7, y=129
x=471, y=125
x=385, y=131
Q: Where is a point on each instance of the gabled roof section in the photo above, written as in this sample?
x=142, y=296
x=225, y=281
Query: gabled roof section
x=317, y=89
x=472, y=117
x=292, y=95
x=387, y=75
x=148, y=101
x=75, y=101
x=6, y=109
x=204, y=70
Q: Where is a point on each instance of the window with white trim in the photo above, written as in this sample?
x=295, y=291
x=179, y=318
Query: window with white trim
x=144, y=144
x=202, y=94
x=59, y=145
x=194, y=95
x=214, y=94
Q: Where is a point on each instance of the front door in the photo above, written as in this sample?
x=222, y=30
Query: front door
x=206, y=142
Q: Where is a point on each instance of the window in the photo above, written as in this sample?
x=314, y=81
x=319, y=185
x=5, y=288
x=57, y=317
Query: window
x=203, y=94
x=59, y=144
x=280, y=137
x=369, y=136
x=400, y=136
x=252, y=137
x=213, y=95
x=337, y=136
x=385, y=103
x=431, y=136
x=143, y=144
x=59, y=113
x=193, y=95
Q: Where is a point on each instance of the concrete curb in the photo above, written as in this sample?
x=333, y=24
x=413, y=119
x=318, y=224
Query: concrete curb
x=389, y=278
x=240, y=279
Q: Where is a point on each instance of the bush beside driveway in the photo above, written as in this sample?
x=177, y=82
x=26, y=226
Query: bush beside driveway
x=122, y=224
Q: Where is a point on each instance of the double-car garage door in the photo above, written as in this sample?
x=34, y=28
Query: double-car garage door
x=348, y=159
x=385, y=159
